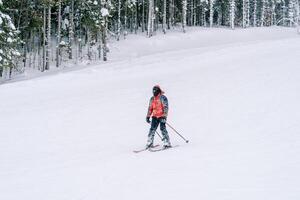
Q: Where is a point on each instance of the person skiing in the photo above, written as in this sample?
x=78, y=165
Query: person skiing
x=158, y=109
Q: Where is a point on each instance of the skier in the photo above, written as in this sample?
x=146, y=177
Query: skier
x=158, y=109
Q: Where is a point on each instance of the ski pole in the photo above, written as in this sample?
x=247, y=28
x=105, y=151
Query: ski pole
x=159, y=135
x=177, y=132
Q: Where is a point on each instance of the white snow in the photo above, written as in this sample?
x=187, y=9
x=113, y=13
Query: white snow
x=63, y=43
x=233, y=94
x=104, y=12
x=9, y=40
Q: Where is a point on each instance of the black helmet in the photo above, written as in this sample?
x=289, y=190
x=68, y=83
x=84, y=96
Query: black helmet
x=156, y=90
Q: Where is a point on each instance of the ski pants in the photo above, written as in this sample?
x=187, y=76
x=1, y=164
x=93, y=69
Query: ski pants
x=154, y=124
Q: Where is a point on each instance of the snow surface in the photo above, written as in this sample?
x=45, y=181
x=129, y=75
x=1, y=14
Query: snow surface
x=233, y=94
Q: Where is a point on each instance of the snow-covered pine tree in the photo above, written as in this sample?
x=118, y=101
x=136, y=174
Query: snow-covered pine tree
x=171, y=13
x=290, y=13
x=297, y=8
x=263, y=12
x=245, y=13
x=105, y=6
x=283, y=13
x=293, y=12
x=92, y=30
x=8, y=43
x=131, y=8
x=273, y=12
x=254, y=13
x=204, y=5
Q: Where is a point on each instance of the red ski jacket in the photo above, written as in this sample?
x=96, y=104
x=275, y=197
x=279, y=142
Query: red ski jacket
x=158, y=106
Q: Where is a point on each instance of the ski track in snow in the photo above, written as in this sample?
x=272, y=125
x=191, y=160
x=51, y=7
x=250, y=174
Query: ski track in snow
x=233, y=94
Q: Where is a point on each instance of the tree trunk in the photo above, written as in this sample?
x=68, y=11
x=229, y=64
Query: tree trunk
x=273, y=15
x=99, y=44
x=119, y=20
x=150, y=18
x=195, y=9
x=58, y=35
x=48, y=39
x=263, y=9
x=104, y=34
x=104, y=41
x=136, y=26
x=244, y=14
x=297, y=16
x=143, y=15
x=203, y=16
x=211, y=12
x=71, y=30
x=232, y=13
x=184, y=8
x=171, y=13
x=255, y=13
x=89, y=53
x=165, y=17
x=125, y=20
x=248, y=13
x=80, y=41
x=153, y=17
x=44, y=40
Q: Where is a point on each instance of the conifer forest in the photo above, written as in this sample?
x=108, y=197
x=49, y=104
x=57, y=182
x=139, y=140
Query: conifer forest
x=44, y=34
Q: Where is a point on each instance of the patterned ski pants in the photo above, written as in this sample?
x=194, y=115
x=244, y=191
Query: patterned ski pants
x=154, y=124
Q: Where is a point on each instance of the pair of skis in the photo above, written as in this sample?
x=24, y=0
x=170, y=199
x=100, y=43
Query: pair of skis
x=155, y=148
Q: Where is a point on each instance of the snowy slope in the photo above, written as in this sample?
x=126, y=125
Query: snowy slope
x=233, y=94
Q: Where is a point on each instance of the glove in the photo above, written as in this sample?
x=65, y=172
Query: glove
x=148, y=120
x=163, y=120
